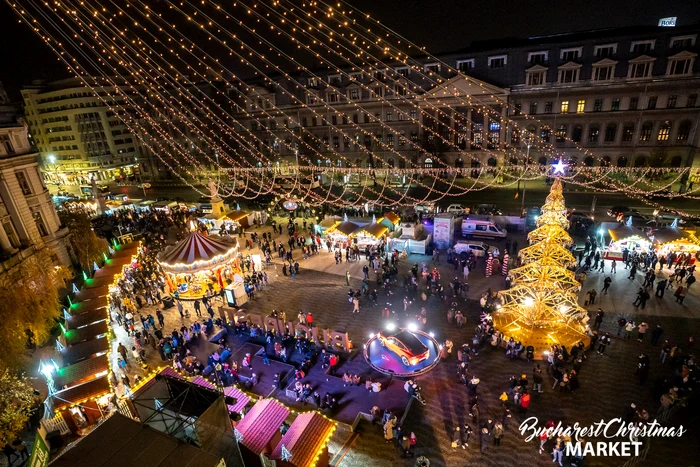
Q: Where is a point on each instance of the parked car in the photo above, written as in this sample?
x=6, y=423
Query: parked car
x=424, y=208
x=479, y=249
x=616, y=211
x=480, y=228
x=457, y=209
x=406, y=346
x=578, y=215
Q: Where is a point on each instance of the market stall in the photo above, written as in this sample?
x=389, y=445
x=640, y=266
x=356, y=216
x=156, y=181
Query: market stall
x=370, y=234
x=342, y=232
x=673, y=240
x=626, y=237
x=391, y=220
x=198, y=263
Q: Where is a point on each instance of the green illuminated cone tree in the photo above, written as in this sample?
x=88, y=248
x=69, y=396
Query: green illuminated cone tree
x=541, y=307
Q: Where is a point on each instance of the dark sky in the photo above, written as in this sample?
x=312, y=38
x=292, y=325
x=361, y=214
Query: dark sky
x=440, y=25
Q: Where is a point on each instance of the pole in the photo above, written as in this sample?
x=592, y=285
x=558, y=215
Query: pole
x=527, y=159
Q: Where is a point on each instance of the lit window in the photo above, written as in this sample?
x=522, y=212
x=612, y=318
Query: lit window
x=564, y=107
x=498, y=61
x=645, y=133
x=561, y=133
x=580, y=106
x=628, y=132
x=664, y=131
x=465, y=65
x=593, y=133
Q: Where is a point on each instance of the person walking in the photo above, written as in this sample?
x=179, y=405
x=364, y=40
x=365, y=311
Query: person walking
x=497, y=433
x=603, y=342
x=598, y=318
x=198, y=308
x=641, y=331
x=656, y=334
x=613, y=267
x=355, y=305
x=661, y=288
x=485, y=439
x=680, y=294
x=606, y=285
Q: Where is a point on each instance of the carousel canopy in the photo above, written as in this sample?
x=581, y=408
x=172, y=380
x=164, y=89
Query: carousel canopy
x=625, y=231
x=197, y=253
x=346, y=228
x=669, y=235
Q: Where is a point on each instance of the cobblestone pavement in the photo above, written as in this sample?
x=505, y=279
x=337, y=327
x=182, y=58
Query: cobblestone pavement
x=607, y=382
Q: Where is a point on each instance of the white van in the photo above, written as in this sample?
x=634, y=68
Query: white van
x=478, y=228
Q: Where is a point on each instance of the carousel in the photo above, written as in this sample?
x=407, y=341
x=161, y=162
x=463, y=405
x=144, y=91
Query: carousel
x=673, y=240
x=200, y=263
x=626, y=237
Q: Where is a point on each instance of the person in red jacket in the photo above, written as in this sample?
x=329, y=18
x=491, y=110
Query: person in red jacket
x=309, y=320
x=524, y=403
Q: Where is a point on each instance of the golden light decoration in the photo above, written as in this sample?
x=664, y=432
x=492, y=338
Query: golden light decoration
x=541, y=308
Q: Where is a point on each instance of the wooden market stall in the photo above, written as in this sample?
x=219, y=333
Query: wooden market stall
x=673, y=240
x=370, y=235
x=626, y=237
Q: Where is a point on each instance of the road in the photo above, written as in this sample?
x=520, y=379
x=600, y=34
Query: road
x=504, y=198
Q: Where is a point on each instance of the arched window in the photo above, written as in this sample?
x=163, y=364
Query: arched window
x=492, y=162
x=459, y=163
x=428, y=163
x=576, y=133
x=390, y=163
x=622, y=161
x=589, y=161
x=676, y=161
x=684, y=130
x=593, y=133
x=561, y=133
x=475, y=164
x=664, y=131
x=378, y=163
x=610, y=133
x=645, y=133
x=605, y=162
x=542, y=160
x=640, y=161
x=546, y=134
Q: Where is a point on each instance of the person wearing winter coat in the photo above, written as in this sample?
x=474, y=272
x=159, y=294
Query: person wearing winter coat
x=497, y=434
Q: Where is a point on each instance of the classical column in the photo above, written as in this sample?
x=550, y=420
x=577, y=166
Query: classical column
x=485, y=130
x=5, y=241
x=504, y=125
x=469, y=128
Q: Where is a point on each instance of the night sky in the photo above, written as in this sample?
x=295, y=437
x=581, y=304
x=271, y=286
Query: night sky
x=440, y=25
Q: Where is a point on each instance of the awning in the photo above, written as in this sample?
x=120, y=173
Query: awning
x=346, y=228
x=624, y=232
x=669, y=235
x=261, y=424
x=236, y=216
x=374, y=230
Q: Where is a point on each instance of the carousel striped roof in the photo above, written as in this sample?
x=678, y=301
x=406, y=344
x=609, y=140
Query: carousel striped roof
x=197, y=248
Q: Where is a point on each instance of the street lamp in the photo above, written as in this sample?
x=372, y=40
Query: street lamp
x=52, y=160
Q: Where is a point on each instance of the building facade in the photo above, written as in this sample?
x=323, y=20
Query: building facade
x=27, y=213
x=77, y=135
x=626, y=97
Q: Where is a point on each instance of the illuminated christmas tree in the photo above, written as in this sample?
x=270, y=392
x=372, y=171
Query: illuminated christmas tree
x=541, y=307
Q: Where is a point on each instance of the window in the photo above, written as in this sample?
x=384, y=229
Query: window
x=546, y=134
x=664, y=131
x=561, y=133
x=610, y=133
x=593, y=133
x=642, y=47
x=23, y=182
x=334, y=79
x=634, y=102
x=345, y=119
x=651, y=104
x=402, y=139
x=377, y=117
x=8, y=144
x=568, y=75
x=564, y=107
x=346, y=142
x=11, y=233
x=389, y=116
x=499, y=61
x=684, y=130
x=641, y=69
x=428, y=163
x=355, y=119
x=605, y=51
x=627, y=132
x=354, y=94
x=692, y=100
x=533, y=108
x=403, y=71
x=378, y=91
x=314, y=121
x=598, y=105
x=576, y=133
x=413, y=113
x=431, y=68
x=465, y=65
x=683, y=42
x=390, y=140
x=645, y=133
x=538, y=58
x=680, y=66
x=603, y=73
x=671, y=102
x=414, y=136
x=615, y=106
x=334, y=120
x=570, y=55
x=548, y=107
x=535, y=77
x=580, y=106
x=366, y=118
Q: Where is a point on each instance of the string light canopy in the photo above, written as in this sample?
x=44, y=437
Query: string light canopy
x=541, y=308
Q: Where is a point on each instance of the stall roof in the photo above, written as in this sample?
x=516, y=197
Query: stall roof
x=235, y=216
x=81, y=371
x=98, y=282
x=261, y=423
x=669, y=235
x=197, y=252
x=624, y=231
x=305, y=438
x=83, y=319
x=329, y=223
x=164, y=204
x=392, y=217
x=121, y=441
x=241, y=399
x=91, y=294
x=76, y=353
x=87, y=333
x=84, y=307
x=76, y=394
x=375, y=230
x=346, y=228
x=116, y=262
